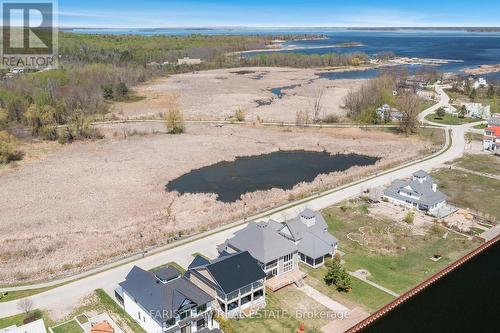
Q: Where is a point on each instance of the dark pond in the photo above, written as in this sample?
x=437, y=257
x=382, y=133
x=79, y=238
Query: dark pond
x=282, y=169
x=467, y=300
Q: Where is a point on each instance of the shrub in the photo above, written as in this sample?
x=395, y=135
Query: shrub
x=225, y=325
x=331, y=119
x=239, y=115
x=65, y=136
x=121, y=91
x=4, y=118
x=107, y=92
x=8, y=151
x=440, y=112
x=174, y=121
x=410, y=217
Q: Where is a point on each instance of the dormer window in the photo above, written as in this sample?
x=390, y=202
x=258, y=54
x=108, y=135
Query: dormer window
x=170, y=322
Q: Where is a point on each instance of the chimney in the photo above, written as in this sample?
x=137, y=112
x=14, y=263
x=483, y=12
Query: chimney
x=308, y=219
x=434, y=187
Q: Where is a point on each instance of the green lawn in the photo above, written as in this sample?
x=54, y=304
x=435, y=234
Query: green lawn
x=362, y=294
x=82, y=319
x=279, y=315
x=13, y=320
x=13, y=295
x=449, y=119
x=470, y=191
x=396, y=258
x=480, y=126
x=17, y=320
x=480, y=163
x=69, y=327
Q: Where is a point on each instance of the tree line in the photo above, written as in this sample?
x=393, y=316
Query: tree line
x=306, y=60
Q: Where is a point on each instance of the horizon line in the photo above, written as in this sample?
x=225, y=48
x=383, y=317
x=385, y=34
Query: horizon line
x=230, y=27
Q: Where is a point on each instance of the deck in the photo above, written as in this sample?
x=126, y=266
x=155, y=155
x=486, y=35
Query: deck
x=285, y=279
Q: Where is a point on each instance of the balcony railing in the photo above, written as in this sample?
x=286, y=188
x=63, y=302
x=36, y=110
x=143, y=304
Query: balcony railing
x=240, y=292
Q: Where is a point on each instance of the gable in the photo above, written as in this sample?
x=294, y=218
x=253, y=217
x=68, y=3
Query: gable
x=286, y=231
x=206, y=274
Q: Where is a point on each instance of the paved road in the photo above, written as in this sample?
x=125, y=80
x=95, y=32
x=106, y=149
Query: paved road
x=62, y=299
x=444, y=100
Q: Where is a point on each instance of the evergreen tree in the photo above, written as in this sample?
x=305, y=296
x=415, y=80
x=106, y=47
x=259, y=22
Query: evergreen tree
x=338, y=276
x=491, y=91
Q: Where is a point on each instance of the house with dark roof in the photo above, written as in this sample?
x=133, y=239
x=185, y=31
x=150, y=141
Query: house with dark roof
x=235, y=280
x=309, y=232
x=420, y=192
x=164, y=301
x=277, y=256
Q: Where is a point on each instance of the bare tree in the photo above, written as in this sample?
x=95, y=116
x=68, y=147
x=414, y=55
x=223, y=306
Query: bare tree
x=409, y=105
x=302, y=118
x=318, y=105
x=25, y=305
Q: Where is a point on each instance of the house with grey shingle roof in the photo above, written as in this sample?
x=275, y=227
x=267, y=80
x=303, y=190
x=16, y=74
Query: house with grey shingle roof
x=280, y=246
x=420, y=192
x=235, y=280
x=275, y=253
x=309, y=232
x=164, y=301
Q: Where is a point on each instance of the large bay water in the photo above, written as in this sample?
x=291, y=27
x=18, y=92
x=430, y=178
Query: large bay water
x=467, y=300
x=282, y=169
x=473, y=48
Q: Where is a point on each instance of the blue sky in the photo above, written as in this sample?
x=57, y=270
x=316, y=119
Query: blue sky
x=278, y=13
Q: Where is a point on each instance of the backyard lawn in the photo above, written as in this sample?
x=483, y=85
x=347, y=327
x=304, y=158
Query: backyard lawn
x=69, y=327
x=279, y=316
x=480, y=163
x=458, y=186
x=362, y=294
x=449, y=119
x=396, y=257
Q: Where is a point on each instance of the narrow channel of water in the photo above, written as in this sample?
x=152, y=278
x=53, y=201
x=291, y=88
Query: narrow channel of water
x=279, y=90
x=282, y=169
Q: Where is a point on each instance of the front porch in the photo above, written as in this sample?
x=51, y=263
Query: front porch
x=285, y=279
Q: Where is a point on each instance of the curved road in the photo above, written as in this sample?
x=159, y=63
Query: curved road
x=61, y=300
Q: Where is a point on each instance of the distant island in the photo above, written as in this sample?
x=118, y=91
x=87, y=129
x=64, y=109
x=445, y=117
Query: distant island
x=468, y=29
x=483, y=69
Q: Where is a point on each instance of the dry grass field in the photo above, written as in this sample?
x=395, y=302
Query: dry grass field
x=87, y=203
x=217, y=94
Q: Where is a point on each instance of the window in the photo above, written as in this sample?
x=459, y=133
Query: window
x=185, y=314
x=288, y=257
x=170, y=322
x=139, y=315
x=201, y=308
x=288, y=262
x=200, y=324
